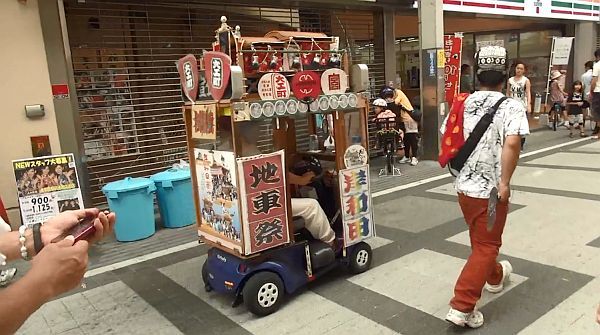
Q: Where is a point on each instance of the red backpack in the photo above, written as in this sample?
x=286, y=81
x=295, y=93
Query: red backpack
x=453, y=138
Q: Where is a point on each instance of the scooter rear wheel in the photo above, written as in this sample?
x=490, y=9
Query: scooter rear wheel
x=360, y=258
x=263, y=293
x=207, y=286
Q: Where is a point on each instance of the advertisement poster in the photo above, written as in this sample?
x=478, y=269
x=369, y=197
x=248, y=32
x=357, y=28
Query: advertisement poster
x=356, y=203
x=452, y=53
x=264, y=201
x=204, y=122
x=47, y=186
x=218, y=196
x=561, y=50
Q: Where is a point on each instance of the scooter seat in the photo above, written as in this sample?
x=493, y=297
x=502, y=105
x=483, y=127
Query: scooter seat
x=321, y=254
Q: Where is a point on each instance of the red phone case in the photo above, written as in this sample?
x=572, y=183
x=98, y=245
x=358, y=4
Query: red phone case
x=81, y=231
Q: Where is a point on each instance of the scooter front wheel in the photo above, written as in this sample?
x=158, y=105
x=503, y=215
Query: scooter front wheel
x=360, y=258
x=263, y=293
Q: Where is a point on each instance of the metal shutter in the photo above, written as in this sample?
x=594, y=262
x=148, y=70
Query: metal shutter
x=124, y=55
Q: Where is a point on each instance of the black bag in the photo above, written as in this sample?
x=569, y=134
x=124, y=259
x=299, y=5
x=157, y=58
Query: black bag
x=458, y=162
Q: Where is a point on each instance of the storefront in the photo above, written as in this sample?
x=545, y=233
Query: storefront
x=127, y=86
x=529, y=40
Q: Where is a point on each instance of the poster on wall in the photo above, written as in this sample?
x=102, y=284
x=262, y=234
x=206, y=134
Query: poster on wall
x=356, y=204
x=204, y=121
x=264, y=201
x=452, y=53
x=46, y=186
x=218, y=197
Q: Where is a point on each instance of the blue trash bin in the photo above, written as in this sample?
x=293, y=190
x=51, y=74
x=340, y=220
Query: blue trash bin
x=132, y=200
x=175, y=197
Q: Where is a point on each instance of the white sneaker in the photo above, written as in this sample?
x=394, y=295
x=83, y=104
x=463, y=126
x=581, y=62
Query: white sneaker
x=471, y=320
x=414, y=161
x=404, y=160
x=506, y=271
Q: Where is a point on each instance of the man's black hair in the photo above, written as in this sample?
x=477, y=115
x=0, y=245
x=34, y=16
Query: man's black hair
x=597, y=53
x=589, y=64
x=464, y=67
x=491, y=79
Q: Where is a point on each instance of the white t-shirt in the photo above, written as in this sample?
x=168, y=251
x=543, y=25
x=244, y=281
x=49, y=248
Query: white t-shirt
x=518, y=89
x=482, y=170
x=586, y=80
x=596, y=73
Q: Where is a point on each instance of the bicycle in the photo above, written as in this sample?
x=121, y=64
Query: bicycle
x=390, y=141
x=555, y=113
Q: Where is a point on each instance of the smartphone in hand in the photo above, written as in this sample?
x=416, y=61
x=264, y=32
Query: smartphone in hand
x=81, y=231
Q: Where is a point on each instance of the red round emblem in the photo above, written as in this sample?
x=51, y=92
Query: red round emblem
x=306, y=85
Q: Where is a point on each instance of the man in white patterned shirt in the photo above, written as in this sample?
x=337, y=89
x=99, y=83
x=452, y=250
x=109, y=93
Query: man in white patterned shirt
x=489, y=167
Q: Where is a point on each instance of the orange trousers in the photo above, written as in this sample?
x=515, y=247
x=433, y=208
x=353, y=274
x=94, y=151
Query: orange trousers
x=481, y=266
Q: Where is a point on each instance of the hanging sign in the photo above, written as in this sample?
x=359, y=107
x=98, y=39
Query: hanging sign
x=204, y=122
x=217, y=67
x=273, y=86
x=355, y=155
x=264, y=204
x=47, y=186
x=334, y=81
x=306, y=85
x=562, y=50
x=188, y=74
x=356, y=204
x=452, y=53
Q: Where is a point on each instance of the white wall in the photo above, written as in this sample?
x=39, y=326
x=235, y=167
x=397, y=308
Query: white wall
x=23, y=80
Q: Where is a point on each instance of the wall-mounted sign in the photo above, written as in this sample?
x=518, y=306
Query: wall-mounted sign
x=60, y=91
x=40, y=146
x=188, y=75
x=273, y=86
x=217, y=67
x=204, y=121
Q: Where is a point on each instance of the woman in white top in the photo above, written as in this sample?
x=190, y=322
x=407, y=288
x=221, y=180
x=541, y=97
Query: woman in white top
x=519, y=88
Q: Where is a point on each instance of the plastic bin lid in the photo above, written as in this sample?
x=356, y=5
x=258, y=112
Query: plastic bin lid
x=128, y=184
x=173, y=174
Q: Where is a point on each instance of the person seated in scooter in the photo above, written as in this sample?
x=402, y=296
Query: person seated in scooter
x=309, y=209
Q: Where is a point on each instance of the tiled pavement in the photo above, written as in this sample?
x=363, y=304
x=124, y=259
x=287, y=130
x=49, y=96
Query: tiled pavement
x=551, y=239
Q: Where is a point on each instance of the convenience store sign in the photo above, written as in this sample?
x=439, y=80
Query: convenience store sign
x=569, y=10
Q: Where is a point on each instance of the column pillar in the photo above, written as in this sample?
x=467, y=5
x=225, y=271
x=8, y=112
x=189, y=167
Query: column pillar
x=431, y=38
x=389, y=44
x=584, y=46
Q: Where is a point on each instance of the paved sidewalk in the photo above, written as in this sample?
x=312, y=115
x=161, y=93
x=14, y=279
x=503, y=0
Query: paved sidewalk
x=421, y=246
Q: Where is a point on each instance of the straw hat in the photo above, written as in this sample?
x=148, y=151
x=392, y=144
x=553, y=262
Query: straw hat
x=555, y=74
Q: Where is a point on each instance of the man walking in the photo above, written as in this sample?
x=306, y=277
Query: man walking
x=595, y=89
x=586, y=79
x=486, y=173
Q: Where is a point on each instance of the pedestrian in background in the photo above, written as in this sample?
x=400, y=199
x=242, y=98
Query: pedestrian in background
x=519, y=88
x=486, y=174
x=466, y=79
x=586, y=80
x=595, y=91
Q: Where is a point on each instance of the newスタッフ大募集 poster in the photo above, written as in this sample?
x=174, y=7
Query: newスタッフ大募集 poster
x=47, y=186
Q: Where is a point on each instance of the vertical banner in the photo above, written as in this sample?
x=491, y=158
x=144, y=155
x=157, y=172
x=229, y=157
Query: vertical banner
x=264, y=201
x=188, y=75
x=452, y=52
x=356, y=204
x=47, y=186
x=218, y=197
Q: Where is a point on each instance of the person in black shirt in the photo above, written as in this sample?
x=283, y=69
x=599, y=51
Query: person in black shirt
x=576, y=104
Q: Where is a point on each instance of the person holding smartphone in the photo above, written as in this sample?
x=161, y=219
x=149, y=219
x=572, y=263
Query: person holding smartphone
x=56, y=267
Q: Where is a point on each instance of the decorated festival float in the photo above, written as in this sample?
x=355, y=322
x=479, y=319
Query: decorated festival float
x=259, y=110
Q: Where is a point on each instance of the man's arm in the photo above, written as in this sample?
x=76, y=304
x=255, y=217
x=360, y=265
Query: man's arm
x=593, y=85
x=510, y=156
x=19, y=300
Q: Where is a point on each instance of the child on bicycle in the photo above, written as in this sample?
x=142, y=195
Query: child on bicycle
x=557, y=95
x=385, y=120
x=575, y=106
